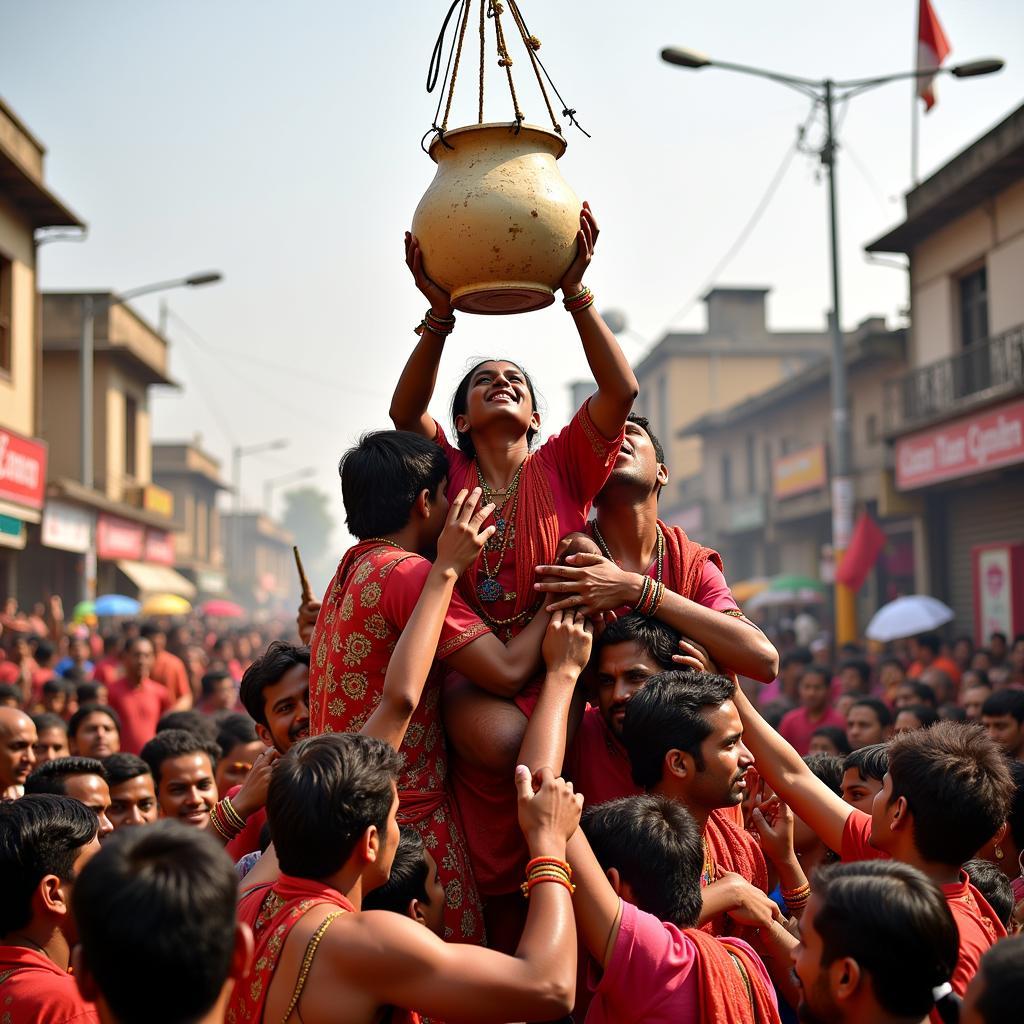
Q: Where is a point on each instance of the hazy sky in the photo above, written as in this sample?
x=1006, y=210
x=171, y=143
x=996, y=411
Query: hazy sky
x=279, y=143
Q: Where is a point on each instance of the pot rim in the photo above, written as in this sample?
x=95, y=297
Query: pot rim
x=529, y=129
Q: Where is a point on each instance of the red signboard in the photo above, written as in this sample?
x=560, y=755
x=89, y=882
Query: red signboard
x=118, y=538
x=22, y=469
x=160, y=547
x=971, y=445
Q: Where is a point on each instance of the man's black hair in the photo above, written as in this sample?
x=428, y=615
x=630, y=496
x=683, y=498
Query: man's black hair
x=176, y=743
x=190, y=721
x=42, y=651
x=1002, y=978
x=993, y=884
x=150, y=629
x=323, y=795
x=836, y=736
x=861, y=667
x=657, y=849
x=408, y=878
x=922, y=691
x=645, y=425
x=871, y=762
x=266, y=670
x=924, y=713
x=156, y=917
x=123, y=767
x=52, y=776
x=797, y=656
x=235, y=729
x=828, y=768
x=930, y=642
x=212, y=678
x=957, y=786
x=39, y=836
x=670, y=713
x=1005, y=702
x=661, y=642
x=382, y=476
x=869, y=909
x=9, y=692
x=881, y=710
x=58, y=684
x=76, y=720
x=460, y=402
x=49, y=720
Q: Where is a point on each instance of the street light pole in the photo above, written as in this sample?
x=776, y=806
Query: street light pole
x=238, y=452
x=90, y=307
x=825, y=92
x=270, y=485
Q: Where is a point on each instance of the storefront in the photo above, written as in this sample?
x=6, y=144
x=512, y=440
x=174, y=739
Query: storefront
x=970, y=472
x=136, y=560
x=22, y=496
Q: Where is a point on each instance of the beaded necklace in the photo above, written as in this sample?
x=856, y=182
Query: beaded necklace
x=659, y=565
x=382, y=540
x=489, y=590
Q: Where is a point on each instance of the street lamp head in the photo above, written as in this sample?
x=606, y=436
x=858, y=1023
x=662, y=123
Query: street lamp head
x=974, y=68
x=211, y=277
x=615, y=320
x=684, y=58
x=274, y=446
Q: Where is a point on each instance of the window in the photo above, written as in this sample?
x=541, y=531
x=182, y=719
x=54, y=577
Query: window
x=751, y=464
x=974, y=307
x=871, y=429
x=6, y=341
x=726, y=478
x=131, y=414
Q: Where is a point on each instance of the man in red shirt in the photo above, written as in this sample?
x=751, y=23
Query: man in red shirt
x=182, y=764
x=138, y=700
x=928, y=654
x=45, y=841
x=876, y=941
x=275, y=692
x=947, y=791
x=798, y=725
x=168, y=669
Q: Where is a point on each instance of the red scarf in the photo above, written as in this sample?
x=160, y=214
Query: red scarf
x=536, y=539
x=732, y=849
x=726, y=992
x=684, y=561
x=271, y=911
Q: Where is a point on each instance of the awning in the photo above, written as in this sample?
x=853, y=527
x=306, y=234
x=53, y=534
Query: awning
x=157, y=579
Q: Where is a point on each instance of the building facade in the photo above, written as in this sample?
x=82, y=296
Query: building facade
x=955, y=418
x=26, y=205
x=261, y=566
x=690, y=374
x=192, y=477
x=115, y=536
x=766, y=502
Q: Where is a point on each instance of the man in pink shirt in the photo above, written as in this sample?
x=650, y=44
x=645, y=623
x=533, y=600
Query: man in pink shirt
x=798, y=725
x=137, y=698
x=637, y=864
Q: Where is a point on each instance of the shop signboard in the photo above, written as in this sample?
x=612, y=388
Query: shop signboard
x=800, y=472
x=974, y=444
x=66, y=527
x=22, y=469
x=998, y=571
x=118, y=538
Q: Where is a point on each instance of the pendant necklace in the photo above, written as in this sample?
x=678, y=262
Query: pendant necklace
x=488, y=589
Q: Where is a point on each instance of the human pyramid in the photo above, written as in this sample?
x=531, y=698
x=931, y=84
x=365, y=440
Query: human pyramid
x=512, y=777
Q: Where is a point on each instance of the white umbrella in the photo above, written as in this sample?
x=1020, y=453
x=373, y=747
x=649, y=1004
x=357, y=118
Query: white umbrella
x=908, y=616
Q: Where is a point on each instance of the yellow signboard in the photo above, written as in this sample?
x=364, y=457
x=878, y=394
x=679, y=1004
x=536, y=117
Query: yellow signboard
x=800, y=472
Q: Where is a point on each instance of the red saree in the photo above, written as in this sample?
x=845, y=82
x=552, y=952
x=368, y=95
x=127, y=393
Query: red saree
x=370, y=600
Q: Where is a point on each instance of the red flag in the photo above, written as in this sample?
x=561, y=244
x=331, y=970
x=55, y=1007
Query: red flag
x=866, y=545
x=932, y=49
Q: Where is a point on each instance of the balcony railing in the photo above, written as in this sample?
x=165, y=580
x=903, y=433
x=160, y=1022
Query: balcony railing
x=989, y=369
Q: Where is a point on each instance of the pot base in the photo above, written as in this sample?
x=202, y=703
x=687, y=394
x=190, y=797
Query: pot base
x=508, y=297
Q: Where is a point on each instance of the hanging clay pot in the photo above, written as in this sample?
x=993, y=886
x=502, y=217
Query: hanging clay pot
x=498, y=224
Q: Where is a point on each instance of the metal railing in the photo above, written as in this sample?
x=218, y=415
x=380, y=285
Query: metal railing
x=989, y=369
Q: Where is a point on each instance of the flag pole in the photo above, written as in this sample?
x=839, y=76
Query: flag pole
x=915, y=113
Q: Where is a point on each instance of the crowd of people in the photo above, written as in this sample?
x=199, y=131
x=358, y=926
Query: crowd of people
x=527, y=760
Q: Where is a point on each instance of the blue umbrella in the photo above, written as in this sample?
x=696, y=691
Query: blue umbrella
x=116, y=604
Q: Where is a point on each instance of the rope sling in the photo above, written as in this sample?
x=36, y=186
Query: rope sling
x=489, y=10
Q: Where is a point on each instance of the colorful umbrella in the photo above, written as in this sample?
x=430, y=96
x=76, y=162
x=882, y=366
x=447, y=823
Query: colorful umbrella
x=83, y=610
x=908, y=616
x=166, y=604
x=788, y=590
x=116, y=604
x=221, y=609
x=746, y=589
